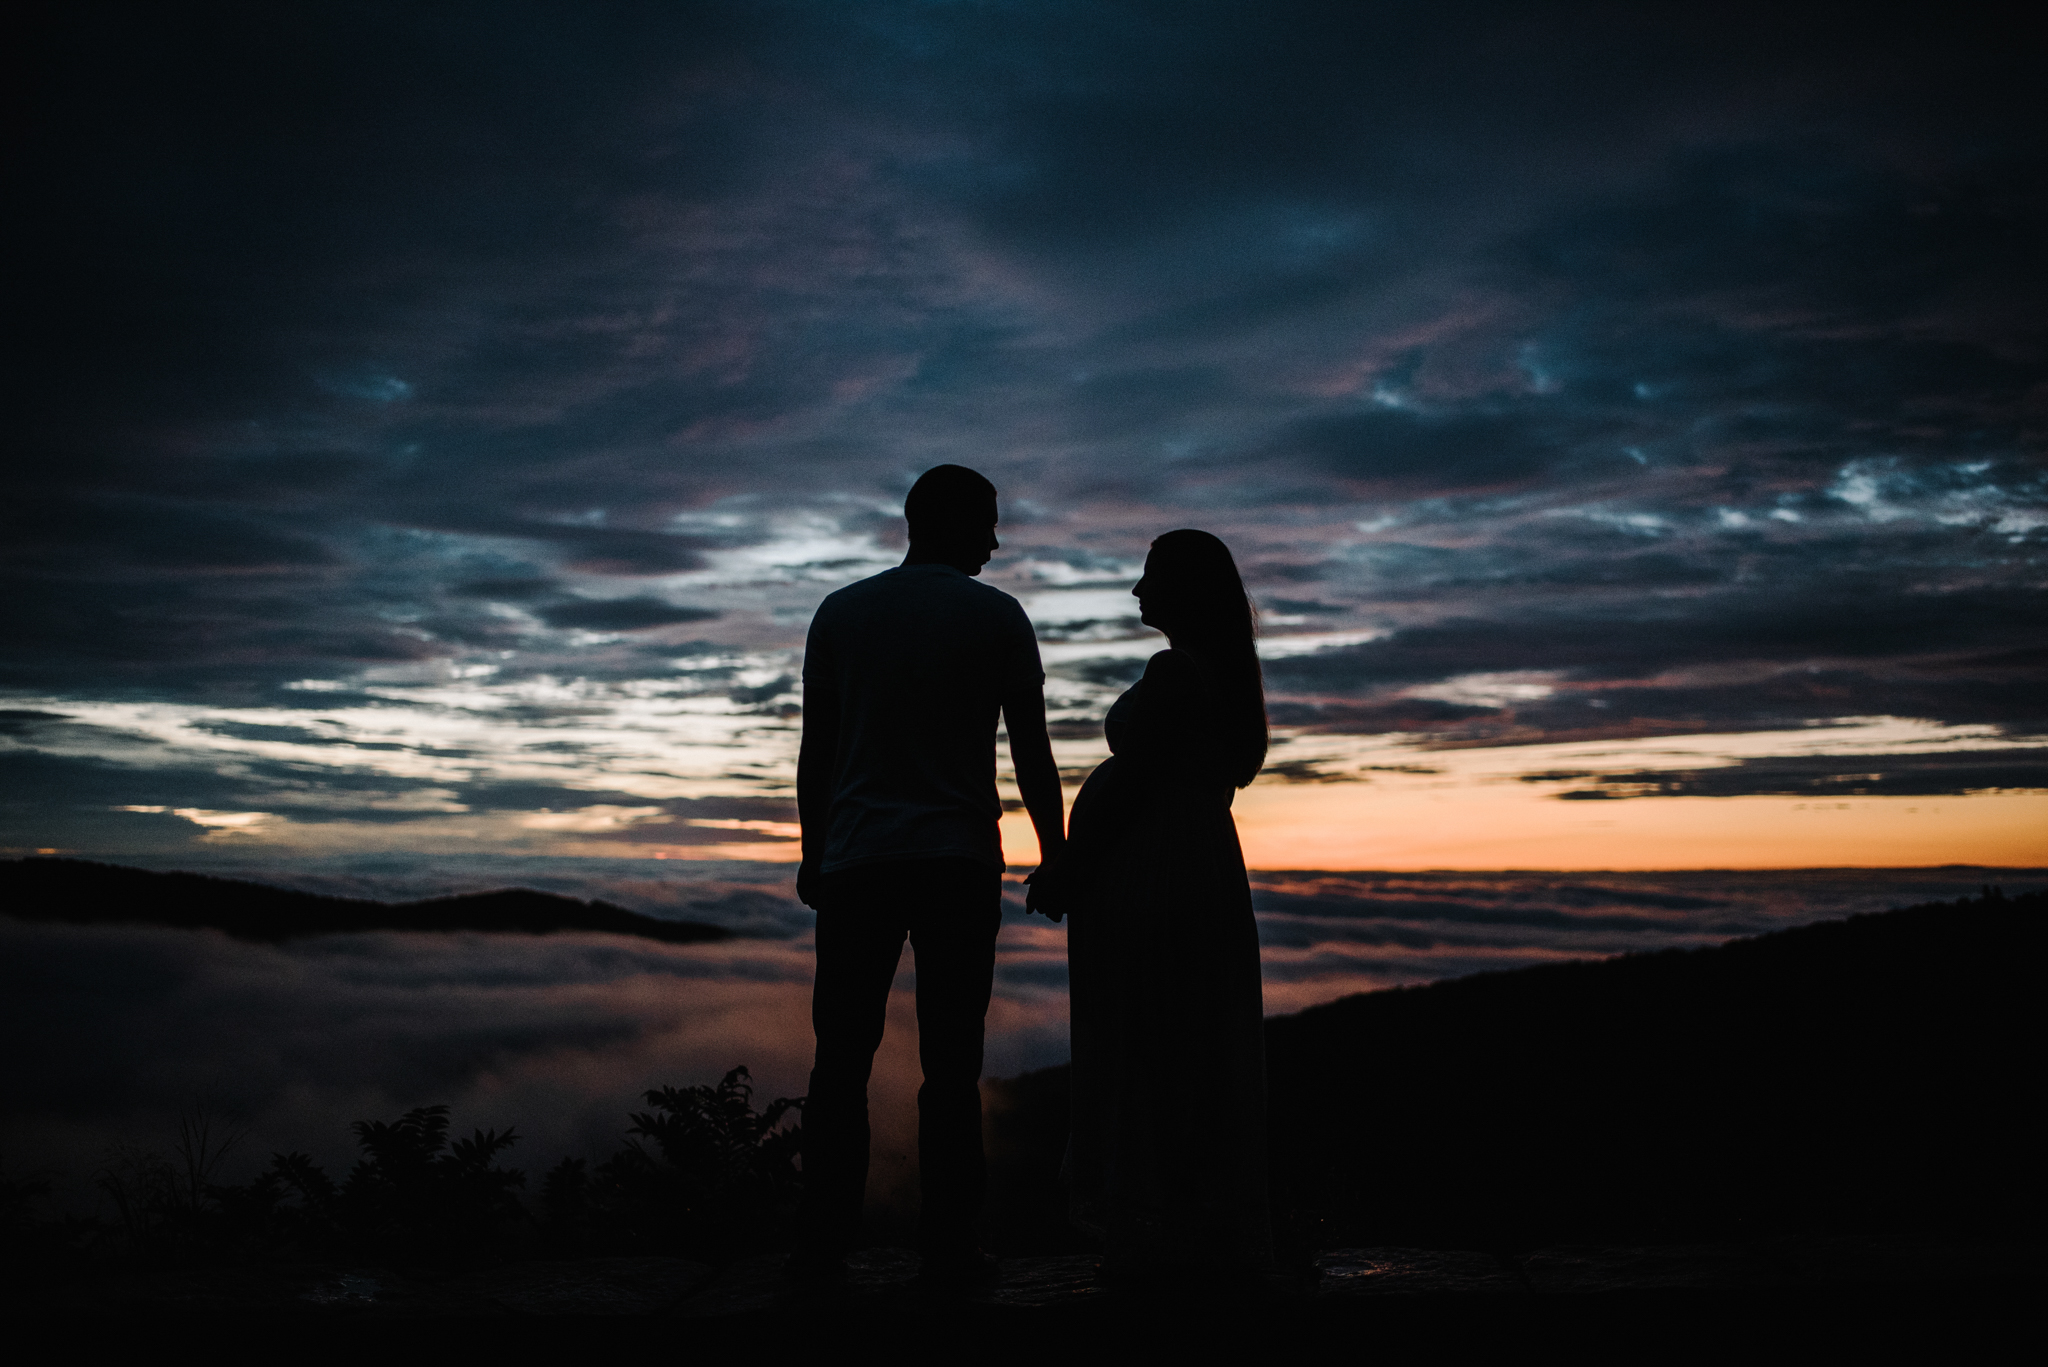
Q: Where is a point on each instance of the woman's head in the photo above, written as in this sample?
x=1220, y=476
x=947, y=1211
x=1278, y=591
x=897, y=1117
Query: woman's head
x=1191, y=590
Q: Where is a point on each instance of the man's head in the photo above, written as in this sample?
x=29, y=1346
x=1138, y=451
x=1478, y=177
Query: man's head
x=952, y=515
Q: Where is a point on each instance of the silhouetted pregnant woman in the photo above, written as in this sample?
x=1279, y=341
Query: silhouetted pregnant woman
x=1166, y=1158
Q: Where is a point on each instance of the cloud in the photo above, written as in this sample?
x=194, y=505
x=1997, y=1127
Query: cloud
x=1827, y=776
x=1402, y=714
x=1687, y=371
x=623, y=614
x=1387, y=452
x=512, y=590
x=558, y=1035
x=1633, y=642
x=350, y=1027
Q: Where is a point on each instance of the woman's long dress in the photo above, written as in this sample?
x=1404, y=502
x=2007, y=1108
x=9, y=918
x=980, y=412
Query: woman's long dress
x=1166, y=1158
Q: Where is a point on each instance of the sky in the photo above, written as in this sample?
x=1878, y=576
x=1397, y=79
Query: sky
x=433, y=426
x=438, y=422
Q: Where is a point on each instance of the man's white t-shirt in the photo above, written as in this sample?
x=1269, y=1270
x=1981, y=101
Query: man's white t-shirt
x=916, y=661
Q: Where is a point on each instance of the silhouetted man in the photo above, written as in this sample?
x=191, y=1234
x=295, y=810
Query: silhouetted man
x=904, y=676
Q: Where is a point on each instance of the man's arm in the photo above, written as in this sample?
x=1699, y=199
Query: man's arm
x=1038, y=776
x=814, y=760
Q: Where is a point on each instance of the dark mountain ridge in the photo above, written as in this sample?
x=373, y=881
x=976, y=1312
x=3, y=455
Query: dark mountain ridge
x=1869, y=1077
x=1865, y=1076
x=81, y=892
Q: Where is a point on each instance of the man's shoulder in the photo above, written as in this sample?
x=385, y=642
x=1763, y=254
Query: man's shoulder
x=990, y=594
x=906, y=582
x=1002, y=612
x=851, y=595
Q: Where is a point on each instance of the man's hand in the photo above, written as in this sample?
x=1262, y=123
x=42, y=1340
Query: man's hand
x=807, y=879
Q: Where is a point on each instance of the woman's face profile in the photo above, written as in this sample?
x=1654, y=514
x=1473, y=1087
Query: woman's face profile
x=1151, y=602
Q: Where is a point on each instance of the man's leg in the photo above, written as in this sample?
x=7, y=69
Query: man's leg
x=859, y=939
x=955, y=913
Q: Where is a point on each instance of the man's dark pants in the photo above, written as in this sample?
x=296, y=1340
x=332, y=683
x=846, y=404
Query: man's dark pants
x=951, y=910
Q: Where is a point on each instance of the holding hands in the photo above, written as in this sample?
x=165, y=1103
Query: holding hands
x=1050, y=889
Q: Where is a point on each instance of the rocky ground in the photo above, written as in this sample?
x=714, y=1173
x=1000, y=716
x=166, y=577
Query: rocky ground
x=1726, y=1289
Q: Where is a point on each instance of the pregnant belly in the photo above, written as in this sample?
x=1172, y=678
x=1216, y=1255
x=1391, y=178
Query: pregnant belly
x=1167, y=819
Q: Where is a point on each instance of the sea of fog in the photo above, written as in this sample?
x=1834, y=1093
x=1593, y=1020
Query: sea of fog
x=116, y=1031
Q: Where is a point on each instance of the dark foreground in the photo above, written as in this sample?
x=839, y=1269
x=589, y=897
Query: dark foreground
x=1662, y=1299
x=1813, y=1139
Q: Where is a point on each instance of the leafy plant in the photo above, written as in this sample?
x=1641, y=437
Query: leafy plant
x=32, y=1244
x=415, y=1191
x=414, y=1196
x=291, y=1206
x=715, y=1134
x=701, y=1173
x=719, y=1179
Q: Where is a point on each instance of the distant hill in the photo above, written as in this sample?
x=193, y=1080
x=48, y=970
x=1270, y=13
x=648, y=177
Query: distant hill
x=79, y=892
x=1874, y=1076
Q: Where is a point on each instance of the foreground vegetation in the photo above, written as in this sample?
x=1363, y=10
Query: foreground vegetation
x=702, y=1175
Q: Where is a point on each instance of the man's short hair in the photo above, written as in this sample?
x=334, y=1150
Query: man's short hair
x=948, y=500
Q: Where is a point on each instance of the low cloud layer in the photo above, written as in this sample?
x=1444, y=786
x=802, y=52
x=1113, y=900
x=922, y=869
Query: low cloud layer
x=118, y=1030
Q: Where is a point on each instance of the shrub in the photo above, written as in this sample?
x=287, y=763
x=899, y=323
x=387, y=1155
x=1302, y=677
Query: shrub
x=701, y=1174
x=721, y=1178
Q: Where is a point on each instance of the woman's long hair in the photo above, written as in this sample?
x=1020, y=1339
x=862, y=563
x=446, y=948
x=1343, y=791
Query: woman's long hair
x=1205, y=609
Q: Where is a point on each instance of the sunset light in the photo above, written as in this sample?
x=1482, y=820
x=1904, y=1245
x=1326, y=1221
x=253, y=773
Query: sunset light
x=464, y=456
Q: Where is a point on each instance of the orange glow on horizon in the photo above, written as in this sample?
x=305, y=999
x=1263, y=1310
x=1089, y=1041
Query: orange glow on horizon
x=1339, y=827
x=1290, y=827
x=1390, y=803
